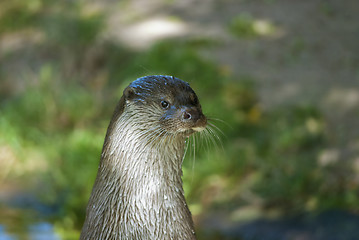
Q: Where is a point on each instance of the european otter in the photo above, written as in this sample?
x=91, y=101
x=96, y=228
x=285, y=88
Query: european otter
x=138, y=191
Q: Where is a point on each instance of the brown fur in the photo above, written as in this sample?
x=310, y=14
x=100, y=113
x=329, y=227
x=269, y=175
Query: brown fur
x=138, y=191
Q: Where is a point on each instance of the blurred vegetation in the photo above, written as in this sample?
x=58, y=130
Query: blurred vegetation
x=244, y=25
x=53, y=127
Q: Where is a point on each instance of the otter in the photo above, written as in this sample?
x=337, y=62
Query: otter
x=138, y=191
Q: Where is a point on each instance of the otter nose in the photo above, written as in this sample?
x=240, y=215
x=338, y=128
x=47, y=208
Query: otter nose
x=190, y=114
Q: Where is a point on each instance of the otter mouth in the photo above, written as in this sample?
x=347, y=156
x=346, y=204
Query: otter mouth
x=199, y=126
x=198, y=129
x=189, y=132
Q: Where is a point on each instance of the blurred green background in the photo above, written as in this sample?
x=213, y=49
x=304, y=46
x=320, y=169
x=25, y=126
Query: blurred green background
x=279, y=79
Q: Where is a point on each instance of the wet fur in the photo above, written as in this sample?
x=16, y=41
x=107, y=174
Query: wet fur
x=138, y=191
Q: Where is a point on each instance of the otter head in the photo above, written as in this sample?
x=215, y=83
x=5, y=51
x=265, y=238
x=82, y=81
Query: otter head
x=166, y=104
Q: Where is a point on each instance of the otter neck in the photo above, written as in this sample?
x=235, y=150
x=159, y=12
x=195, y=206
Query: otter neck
x=138, y=192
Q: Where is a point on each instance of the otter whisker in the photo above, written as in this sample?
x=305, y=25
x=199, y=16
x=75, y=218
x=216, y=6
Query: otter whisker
x=199, y=136
x=165, y=140
x=194, y=155
x=219, y=120
x=162, y=137
x=158, y=138
x=186, y=148
x=150, y=139
x=205, y=137
x=151, y=134
x=209, y=139
x=213, y=132
x=217, y=128
x=211, y=136
x=146, y=133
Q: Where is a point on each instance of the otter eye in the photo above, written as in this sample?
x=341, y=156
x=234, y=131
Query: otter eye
x=165, y=104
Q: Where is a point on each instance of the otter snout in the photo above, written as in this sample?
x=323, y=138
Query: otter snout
x=190, y=115
x=194, y=117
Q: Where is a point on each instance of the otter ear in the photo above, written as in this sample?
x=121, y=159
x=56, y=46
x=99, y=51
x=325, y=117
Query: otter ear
x=129, y=93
